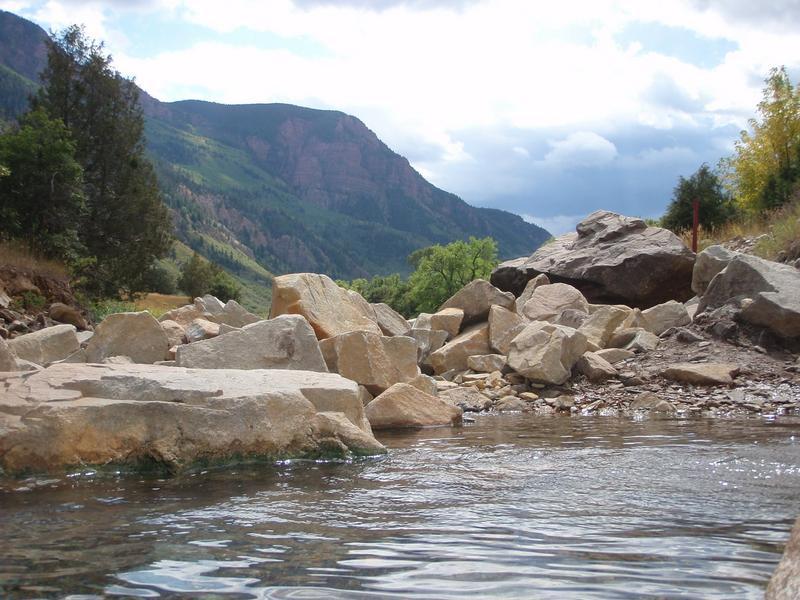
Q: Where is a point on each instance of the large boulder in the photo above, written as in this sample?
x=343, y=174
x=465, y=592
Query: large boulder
x=134, y=334
x=548, y=302
x=329, y=309
x=47, y=345
x=768, y=292
x=389, y=320
x=785, y=581
x=376, y=362
x=453, y=355
x=545, y=352
x=140, y=415
x=530, y=287
x=403, y=405
x=611, y=259
x=236, y=315
x=504, y=326
x=449, y=320
x=285, y=342
x=476, y=298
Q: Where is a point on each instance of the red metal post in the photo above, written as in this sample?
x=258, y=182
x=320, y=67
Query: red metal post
x=695, y=223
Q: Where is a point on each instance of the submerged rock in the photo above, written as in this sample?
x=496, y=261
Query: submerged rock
x=69, y=416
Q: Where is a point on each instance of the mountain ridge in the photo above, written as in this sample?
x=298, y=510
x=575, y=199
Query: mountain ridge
x=290, y=187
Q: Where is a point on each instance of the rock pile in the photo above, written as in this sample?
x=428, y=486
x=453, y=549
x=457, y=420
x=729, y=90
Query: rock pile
x=336, y=366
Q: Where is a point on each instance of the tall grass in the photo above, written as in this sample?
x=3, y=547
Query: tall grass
x=17, y=254
x=780, y=228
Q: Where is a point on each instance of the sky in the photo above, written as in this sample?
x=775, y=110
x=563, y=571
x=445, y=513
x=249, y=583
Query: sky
x=547, y=109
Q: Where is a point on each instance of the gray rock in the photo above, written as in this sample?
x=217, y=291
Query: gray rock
x=707, y=264
x=768, y=292
x=134, y=334
x=285, y=342
x=611, y=259
x=46, y=345
x=476, y=298
x=615, y=355
x=200, y=329
x=467, y=399
x=234, y=314
x=428, y=340
x=511, y=404
x=129, y=415
x=653, y=403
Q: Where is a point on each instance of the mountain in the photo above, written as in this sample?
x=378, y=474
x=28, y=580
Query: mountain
x=284, y=187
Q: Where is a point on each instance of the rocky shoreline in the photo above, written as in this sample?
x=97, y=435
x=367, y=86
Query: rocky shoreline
x=211, y=383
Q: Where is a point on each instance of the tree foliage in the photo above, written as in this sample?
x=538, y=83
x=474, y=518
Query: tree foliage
x=126, y=225
x=42, y=193
x=766, y=163
x=440, y=271
x=704, y=185
x=200, y=277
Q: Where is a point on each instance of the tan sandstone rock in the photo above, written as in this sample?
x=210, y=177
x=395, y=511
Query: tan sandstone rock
x=46, y=345
x=377, y=362
x=702, y=373
x=454, y=354
x=476, y=298
x=594, y=367
x=661, y=317
x=390, y=321
x=134, y=334
x=403, y=405
x=504, y=326
x=329, y=309
x=548, y=301
x=545, y=352
x=486, y=363
x=78, y=415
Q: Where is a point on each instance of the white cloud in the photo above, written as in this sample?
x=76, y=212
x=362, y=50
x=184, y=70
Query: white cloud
x=581, y=149
x=520, y=151
x=556, y=225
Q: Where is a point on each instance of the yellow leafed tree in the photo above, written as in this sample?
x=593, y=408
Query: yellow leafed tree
x=767, y=157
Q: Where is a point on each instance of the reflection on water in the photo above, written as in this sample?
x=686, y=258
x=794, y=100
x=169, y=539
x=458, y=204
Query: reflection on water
x=509, y=507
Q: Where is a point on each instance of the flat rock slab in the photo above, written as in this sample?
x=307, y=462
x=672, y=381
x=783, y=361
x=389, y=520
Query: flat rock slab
x=702, y=373
x=76, y=415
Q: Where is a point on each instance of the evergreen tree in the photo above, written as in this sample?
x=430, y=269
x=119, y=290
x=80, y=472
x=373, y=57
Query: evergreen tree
x=705, y=187
x=42, y=192
x=127, y=226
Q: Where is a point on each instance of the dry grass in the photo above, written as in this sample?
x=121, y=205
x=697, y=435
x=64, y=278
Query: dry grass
x=17, y=255
x=158, y=304
x=782, y=227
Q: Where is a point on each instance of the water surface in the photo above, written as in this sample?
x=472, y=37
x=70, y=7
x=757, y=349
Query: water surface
x=508, y=507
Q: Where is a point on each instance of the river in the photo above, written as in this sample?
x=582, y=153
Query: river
x=506, y=507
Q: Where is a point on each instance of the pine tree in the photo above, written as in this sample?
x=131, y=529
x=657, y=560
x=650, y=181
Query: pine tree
x=127, y=225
